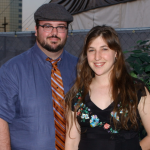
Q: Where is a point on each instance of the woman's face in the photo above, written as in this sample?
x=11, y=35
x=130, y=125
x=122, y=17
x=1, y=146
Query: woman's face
x=100, y=57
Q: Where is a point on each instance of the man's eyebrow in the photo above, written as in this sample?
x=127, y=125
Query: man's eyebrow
x=57, y=25
x=61, y=24
x=47, y=24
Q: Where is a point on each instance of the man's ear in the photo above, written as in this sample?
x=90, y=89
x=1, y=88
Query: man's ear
x=35, y=30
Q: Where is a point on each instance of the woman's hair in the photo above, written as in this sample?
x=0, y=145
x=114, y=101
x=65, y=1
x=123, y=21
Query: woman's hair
x=122, y=85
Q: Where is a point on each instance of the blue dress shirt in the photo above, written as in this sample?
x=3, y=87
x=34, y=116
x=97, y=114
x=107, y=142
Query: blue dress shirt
x=26, y=97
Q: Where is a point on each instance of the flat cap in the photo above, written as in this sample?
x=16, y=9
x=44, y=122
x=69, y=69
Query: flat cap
x=54, y=12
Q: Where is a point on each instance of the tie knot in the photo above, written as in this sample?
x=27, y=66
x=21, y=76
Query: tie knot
x=53, y=62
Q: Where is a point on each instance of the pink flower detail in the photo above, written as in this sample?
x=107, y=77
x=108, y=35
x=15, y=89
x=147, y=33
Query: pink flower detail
x=106, y=126
x=78, y=113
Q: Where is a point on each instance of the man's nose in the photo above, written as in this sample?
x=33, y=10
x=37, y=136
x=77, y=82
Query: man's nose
x=54, y=31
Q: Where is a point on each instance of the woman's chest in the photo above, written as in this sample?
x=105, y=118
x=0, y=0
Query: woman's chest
x=91, y=116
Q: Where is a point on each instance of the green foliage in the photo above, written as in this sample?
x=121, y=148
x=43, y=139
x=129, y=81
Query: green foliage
x=139, y=61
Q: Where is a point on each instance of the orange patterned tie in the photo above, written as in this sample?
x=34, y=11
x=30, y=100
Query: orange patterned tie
x=58, y=105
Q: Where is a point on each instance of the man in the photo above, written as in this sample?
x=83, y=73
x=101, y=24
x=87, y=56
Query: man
x=27, y=96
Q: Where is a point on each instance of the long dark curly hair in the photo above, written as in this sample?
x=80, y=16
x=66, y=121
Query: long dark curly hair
x=123, y=89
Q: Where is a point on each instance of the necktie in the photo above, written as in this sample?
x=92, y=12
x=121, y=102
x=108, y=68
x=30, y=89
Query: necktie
x=58, y=105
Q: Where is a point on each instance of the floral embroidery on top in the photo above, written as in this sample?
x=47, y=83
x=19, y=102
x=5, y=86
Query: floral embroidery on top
x=114, y=114
x=78, y=96
x=106, y=126
x=94, y=121
x=84, y=112
x=85, y=116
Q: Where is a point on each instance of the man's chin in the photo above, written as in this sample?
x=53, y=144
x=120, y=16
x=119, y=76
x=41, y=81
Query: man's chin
x=52, y=49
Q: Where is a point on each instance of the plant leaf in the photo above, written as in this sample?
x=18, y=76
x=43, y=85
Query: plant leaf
x=144, y=54
x=138, y=69
x=143, y=42
x=137, y=51
x=133, y=74
x=131, y=59
x=126, y=52
x=139, y=41
x=146, y=49
x=131, y=64
x=136, y=55
x=147, y=68
x=138, y=61
x=145, y=58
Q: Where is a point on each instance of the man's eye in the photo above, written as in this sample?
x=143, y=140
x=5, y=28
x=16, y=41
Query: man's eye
x=47, y=26
x=61, y=27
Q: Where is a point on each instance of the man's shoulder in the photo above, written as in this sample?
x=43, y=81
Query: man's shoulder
x=19, y=59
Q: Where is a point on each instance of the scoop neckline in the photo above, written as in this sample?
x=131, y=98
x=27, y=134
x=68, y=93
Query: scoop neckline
x=99, y=107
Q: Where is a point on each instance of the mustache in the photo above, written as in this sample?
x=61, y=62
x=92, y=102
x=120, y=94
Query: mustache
x=53, y=36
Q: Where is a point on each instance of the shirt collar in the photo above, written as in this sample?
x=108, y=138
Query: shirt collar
x=42, y=56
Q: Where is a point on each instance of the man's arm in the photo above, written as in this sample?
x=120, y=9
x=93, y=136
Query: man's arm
x=4, y=135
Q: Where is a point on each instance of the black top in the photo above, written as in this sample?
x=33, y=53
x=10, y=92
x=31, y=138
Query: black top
x=97, y=132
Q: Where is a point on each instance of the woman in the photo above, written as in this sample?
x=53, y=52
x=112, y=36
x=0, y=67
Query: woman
x=105, y=104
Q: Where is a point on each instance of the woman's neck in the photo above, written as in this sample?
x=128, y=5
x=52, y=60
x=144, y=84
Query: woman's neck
x=101, y=80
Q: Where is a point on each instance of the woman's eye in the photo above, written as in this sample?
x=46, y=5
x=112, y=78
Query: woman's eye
x=90, y=50
x=105, y=49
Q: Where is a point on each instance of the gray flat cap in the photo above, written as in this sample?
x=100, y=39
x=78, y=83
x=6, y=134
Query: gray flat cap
x=54, y=12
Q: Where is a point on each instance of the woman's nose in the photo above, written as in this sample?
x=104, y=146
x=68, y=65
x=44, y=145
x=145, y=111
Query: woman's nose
x=97, y=55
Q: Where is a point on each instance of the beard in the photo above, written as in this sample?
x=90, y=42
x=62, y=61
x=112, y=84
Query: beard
x=48, y=47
